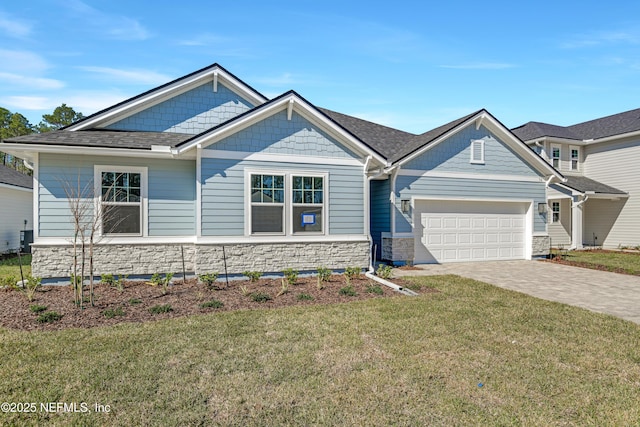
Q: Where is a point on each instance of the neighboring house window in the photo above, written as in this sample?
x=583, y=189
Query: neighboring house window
x=555, y=212
x=267, y=203
x=121, y=198
x=288, y=203
x=477, y=151
x=555, y=156
x=575, y=157
x=308, y=203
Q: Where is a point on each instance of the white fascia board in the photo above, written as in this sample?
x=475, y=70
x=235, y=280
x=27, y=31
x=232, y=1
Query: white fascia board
x=97, y=151
x=15, y=187
x=167, y=92
x=299, y=106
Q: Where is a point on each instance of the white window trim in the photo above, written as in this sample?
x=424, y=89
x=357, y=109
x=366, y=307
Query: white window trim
x=571, y=148
x=559, y=212
x=473, y=159
x=288, y=201
x=559, y=147
x=144, y=194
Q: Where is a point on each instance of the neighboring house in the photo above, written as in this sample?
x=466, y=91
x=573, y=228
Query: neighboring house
x=208, y=171
x=16, y=207
x=599, y=204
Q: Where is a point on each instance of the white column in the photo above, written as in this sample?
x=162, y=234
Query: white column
x=576, y=222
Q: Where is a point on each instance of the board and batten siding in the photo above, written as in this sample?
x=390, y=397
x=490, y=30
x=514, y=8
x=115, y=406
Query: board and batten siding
x=192, y=112
x=16, y=205
x=462, y=188
x=171, y=192
x=223, y=194
x=615, y=164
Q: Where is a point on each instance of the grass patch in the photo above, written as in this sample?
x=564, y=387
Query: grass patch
x=135, y=301
x=260, y=297
x=348, y=291
x=48, y=317
x=620, y=262
x=9, y=268
x=37, y=308
x=110, y=313
x=375, y=289
x=305, y=297
x=159, y=309
x=384, y=361
x=212, y=304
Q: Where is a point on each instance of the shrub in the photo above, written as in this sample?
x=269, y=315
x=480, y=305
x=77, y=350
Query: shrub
x=209, y=279
x=8, y=281
x=107, y=279
x=375, y=289
x=291, y=275
x=135, y=301
x=110, y=313
x=158, y=280
x=120, y=282
x=252, y=275
x=159, y=309
x=48, y=317
x=324, y=274
x=351, y=273
x=75, y=279
x=260, y=297
x=31, y=287
x=305, y=297
x=212, y=304
x=348, y=291
x=384, y=271
x=37, y=308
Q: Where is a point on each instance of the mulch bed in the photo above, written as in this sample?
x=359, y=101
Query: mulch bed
x=185, y=299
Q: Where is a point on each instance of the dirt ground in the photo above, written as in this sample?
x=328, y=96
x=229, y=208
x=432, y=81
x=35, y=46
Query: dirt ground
x=134, y=302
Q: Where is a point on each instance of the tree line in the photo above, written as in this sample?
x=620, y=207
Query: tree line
x=15, y=124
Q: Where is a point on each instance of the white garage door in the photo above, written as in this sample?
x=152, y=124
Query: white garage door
x=449, y=231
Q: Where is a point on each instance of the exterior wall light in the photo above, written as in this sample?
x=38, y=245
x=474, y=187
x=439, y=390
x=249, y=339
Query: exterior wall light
x=405, y=206
x=542, y=208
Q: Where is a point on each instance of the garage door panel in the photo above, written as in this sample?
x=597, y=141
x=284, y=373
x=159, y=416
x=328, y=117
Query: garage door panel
x=469, y=231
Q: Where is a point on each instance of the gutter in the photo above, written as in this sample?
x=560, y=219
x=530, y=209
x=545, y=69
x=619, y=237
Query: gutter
x=369, y=274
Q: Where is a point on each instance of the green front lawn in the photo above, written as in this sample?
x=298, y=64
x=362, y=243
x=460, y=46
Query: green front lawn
x=472, y=354
x=622, y=262
x=10, y=268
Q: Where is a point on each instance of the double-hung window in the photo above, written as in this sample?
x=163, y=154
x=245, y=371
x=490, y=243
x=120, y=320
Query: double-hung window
x=575, y=158
x=121, y=196
x=555, y=212
x=555, y=156
x=287, y=203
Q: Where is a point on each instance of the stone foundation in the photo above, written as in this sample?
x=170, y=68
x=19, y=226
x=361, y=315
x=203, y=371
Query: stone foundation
x=398, y=249
x=541, y=246
x=57, y=261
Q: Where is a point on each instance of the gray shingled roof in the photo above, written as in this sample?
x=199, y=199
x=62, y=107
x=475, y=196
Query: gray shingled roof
x=616, y=124
x=13, y=177
x=104, y=138
x=584, y=184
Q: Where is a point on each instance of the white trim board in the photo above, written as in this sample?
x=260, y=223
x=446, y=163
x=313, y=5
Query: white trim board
x=208, y=240
x=474, y=176
x=281, y=158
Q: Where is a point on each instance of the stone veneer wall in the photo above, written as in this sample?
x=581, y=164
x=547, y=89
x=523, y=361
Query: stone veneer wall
x=398, y=249
x=541, y=245
x=57, y=261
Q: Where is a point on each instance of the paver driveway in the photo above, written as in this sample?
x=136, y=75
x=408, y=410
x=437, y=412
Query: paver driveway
x=600, y=291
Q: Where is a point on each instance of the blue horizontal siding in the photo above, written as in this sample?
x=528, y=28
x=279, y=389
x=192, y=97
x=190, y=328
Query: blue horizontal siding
x=171, y=202
x=409, y=186
x=223, y=198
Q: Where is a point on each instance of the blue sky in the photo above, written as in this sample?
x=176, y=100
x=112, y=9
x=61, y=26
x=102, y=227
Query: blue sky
x=413, y=65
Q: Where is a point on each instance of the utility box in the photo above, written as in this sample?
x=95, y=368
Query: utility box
x=26, y=239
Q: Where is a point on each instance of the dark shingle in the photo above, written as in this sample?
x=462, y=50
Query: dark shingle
x=13, y=177
x=103, y=138
x=534, y=130
x=584, y=184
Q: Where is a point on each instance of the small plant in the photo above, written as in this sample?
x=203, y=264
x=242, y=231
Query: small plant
x=260, y=297
x=159, y=309
x=48, y=317
x=351, y=273
x=348, y=291
x=252, y=275
x=37, y=308
x=284, y=289
x=107, y=279
x=209, y=279
x=8, y=281
x=291, y=275
x=324, y=274
x=31, y=287
x=110, y=313
x=120, y=282
x=135, y=301
x=158, y=280
x=375, y=289
x=384, y=271
x=305, y=297
x=155, y=280
x=75, y=279
x=244, y=291
x=212, y=304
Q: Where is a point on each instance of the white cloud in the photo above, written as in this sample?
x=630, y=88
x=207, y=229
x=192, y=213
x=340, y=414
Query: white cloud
x=14, y=27
x=30, y=82
x=114, y=26
x=601, y=38
x=28, y=102
x=129, y=76
x=22, y=61
x=205, y=39
x=480, y=66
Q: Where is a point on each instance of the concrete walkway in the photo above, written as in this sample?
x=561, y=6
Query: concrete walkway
x=603, y=292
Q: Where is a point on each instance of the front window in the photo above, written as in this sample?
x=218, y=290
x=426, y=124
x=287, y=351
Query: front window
x=555, y=157
x=555, y=212
x=308, y=201
x=575, y=157
x=121, y=203
x=267, y=204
